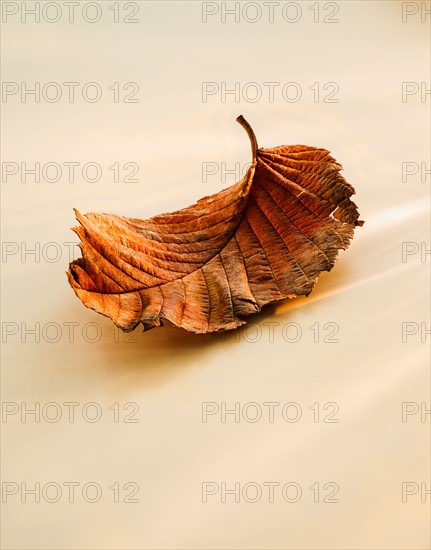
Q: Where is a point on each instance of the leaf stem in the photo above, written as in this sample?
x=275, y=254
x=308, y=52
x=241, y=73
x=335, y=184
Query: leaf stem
x=250, y=134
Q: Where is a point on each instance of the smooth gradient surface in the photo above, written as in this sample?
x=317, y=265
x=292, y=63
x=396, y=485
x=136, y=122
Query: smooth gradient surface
x=339, y=351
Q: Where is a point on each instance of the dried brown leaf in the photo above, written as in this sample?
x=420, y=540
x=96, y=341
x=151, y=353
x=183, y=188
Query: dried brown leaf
x=208, y=266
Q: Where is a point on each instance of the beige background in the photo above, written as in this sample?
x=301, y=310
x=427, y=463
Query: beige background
x=168, y=373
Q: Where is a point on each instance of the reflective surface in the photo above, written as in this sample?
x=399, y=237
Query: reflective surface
x=328, y=427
